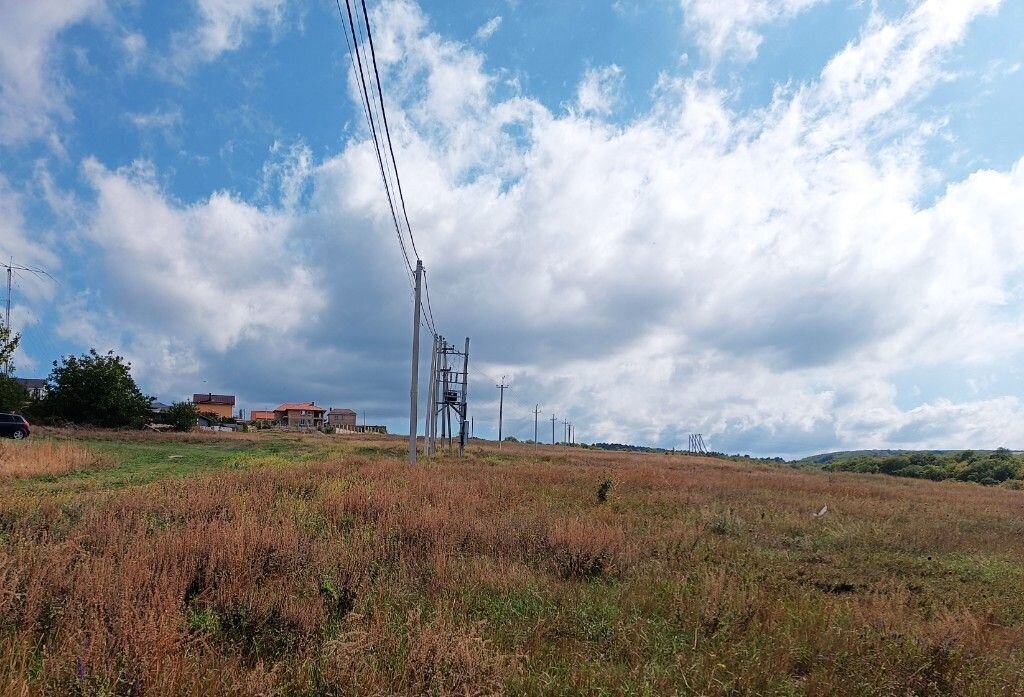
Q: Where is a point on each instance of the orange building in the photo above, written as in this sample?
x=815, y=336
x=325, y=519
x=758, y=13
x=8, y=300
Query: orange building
x=223, y=405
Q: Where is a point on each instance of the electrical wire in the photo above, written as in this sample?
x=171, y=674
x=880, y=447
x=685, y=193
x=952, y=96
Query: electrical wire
x=365, y=97
x=386, y=161
x=387, y=129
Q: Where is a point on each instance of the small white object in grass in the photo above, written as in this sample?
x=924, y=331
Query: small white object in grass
x=174, y=457
x=823, y=511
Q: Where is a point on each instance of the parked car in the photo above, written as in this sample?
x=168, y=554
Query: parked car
x=14, y=426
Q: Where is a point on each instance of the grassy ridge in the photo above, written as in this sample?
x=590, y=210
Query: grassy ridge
x=988, y=467
x=340, y=570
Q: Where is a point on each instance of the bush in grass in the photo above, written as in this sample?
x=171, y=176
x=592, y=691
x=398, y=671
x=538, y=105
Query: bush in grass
x=183, y=416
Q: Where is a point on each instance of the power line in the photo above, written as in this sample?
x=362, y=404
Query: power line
x=364, y=95
x=387, y=130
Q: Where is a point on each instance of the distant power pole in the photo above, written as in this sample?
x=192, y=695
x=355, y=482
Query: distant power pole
x=552, y=429
x=414, y=382
x=536, y=414
x=501, y=407
x=565, y=431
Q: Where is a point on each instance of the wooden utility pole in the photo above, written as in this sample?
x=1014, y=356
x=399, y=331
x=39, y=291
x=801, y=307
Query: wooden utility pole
x=552, y=429
x=536, y=415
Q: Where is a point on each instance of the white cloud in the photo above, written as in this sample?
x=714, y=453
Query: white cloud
x=32, y=94
x=758, y=277
x=215, y=270
x=221, y=27
x=488, y=29
x=600, y=90
x=732, y=27
x=155, y=119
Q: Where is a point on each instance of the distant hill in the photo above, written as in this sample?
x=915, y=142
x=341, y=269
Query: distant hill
x=839, y=455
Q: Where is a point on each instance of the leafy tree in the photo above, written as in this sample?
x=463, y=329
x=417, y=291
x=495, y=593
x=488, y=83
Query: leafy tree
x=97, y=390
x=12, y=395
x=8, y=345
x=183, y=416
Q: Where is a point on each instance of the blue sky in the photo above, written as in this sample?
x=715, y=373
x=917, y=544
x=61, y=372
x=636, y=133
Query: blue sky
x=790, y=225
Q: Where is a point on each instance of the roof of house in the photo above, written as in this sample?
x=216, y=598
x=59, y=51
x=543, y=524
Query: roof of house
x=347, y=412
x=210, y=398
x=31, y=383
x=294, y=406
x=261, y=414
x=158, y=406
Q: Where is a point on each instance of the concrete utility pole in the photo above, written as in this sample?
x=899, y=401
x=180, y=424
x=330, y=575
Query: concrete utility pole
x=536, y=415
x=501, y=407
x=414, y=382
x=10, y=275
x=552, y=429
x=465, y=396
x=428, y=414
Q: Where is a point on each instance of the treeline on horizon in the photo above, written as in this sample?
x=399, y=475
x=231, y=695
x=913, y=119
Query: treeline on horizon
x=992, y=468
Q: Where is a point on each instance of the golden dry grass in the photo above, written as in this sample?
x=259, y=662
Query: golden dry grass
x=502, y=573
x=37, y=458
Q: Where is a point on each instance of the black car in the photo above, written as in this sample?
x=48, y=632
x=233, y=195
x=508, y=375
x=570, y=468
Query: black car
x=14, y=426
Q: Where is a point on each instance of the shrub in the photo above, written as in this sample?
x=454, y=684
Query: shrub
x=183, y=416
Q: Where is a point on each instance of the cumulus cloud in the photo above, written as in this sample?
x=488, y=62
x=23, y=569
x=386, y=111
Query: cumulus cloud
x=216, y=271
x=600, y=90
x=755, y=276
x=31, y=92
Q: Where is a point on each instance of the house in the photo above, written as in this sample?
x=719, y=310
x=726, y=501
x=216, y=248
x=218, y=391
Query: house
x=261, y=415
x=36, y=387
x=223, y=405
x=342, y=418
x=300, y=415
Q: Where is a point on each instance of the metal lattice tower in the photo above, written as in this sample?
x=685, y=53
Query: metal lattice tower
x=448, y=395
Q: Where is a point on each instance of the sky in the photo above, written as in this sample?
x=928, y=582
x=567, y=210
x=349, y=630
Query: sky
x=793, y=226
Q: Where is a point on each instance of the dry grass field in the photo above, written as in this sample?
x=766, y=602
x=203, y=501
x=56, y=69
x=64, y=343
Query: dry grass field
x=267, y=565
x=37, y=458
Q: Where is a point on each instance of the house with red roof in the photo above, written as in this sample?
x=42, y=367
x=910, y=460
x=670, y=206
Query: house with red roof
x=305, y=415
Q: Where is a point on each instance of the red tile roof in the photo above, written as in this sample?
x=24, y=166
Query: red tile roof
x=261, y=415
x=293, y=406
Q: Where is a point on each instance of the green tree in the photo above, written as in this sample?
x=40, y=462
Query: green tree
x=97, y=390
x=183, y=416
x=12, y=395
x=8, y=345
